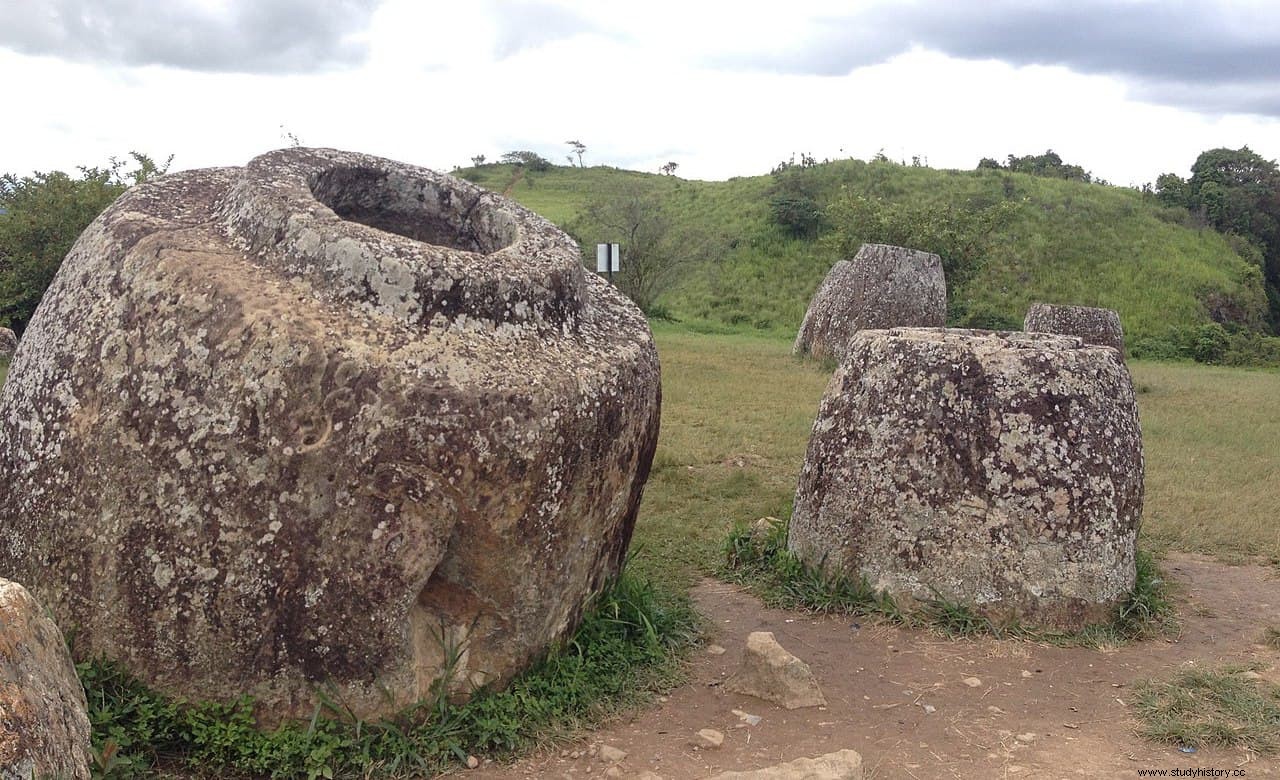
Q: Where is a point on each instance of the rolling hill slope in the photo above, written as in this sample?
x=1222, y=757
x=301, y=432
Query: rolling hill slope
x=1067, y=242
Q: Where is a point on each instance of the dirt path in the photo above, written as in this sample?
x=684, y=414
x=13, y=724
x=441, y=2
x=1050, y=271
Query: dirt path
x=879, y=679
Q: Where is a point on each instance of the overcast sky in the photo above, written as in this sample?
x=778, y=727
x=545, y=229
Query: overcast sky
x=1127, y=88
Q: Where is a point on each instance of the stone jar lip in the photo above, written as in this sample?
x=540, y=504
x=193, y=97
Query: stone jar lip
x=969, y=337
x=494, y=263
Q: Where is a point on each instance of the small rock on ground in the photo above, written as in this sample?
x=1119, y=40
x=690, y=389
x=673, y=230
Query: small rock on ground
x=612, y=754
x=708, y=738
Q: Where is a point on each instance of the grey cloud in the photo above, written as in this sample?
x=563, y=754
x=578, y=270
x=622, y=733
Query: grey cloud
x=528, y=25
x=249, y=36
x=1205, y=55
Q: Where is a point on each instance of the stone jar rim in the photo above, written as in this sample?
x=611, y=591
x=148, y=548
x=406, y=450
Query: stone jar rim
x=403, y=241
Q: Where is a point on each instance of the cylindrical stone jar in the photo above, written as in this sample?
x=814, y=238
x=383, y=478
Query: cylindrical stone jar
x=998, y=470
x=323, y=420
x=883, y=286
x=1092, y=325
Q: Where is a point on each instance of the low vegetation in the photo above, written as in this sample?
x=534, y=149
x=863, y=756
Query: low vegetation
x=756, y=556
x=1201, y=706
x=628, y=646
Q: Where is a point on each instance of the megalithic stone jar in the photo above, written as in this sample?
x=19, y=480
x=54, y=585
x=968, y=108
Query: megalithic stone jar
x=883, y=286
x=1092, y=325
x=999, y=470
x=326, y=419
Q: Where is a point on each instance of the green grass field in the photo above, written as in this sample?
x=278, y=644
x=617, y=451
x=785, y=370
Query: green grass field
x=737, y=410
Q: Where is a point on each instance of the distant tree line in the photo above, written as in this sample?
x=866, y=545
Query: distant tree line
x=1238, y=193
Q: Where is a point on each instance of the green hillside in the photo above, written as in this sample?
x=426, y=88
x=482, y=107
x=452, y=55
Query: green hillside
x=1066, y=242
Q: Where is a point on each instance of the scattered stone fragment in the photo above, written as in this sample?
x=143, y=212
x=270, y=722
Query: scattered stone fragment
x=881, y=287
x=1026, y=738
x=771, y=673
x=708, y=738
x=1002, y=471
x=1027, y=673
x=929, y=709
x=841, y=765
x=1251, y=675
x=326, y=416
x=612, y=754
x=973, y=682
x=44, y=720
x=1095, y=326
x=715, y=650
x=472, y=762
x=613, y=771
x=747, y=718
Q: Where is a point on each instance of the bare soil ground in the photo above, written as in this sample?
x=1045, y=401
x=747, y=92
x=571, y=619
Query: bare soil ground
x=898, y=696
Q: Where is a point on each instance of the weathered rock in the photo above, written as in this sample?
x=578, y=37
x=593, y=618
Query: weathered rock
x=841, y=765
x=771, y=673
x=8, y=343
x=44, y=720
x=1093, y=326
x=1000, y=470
x=326, y=418
x=881, y=287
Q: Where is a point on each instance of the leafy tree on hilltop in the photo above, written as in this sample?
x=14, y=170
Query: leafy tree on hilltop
x=46, y=212
x=531, y=160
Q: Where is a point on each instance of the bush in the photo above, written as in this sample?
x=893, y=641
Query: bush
x=798, y=215
x=1211, y=343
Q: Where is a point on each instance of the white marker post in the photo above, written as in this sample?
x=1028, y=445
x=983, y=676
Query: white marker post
x=608, y=260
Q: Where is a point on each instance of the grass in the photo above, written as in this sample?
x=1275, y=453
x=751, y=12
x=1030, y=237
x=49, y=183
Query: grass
x=1210, y=437
x=1201, y=707
x=1068, y=242
x=738, y=408
x=756, y=556
x=628, y=646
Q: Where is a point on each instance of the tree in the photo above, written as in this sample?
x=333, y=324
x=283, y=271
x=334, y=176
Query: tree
x=1049, y=165
x=670, y=168
x=477, y=161
x=531, y=160
x=45, y=214
x=577, y=148
x=642, y=226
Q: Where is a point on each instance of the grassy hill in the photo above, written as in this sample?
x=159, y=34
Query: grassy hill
x=1067, y=242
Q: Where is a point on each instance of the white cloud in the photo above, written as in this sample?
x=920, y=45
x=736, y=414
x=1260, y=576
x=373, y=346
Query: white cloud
x=639, y=85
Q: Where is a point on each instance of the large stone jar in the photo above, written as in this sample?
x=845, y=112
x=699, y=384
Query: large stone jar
x=323, y=420
x=1092, y=325
x=999, y=470
x=883, y=286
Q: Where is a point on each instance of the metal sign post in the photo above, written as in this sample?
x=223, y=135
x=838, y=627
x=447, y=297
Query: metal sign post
x=608, y=260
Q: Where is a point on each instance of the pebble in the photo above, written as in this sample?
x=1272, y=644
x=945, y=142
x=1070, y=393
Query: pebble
x=708, y=738
x=472, y=762
x=1026, y=738
x=1026, y=673
x=715, y=650
x=612, y=754
x=973, y=682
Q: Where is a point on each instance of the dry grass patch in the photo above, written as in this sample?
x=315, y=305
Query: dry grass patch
x=1198, y=707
